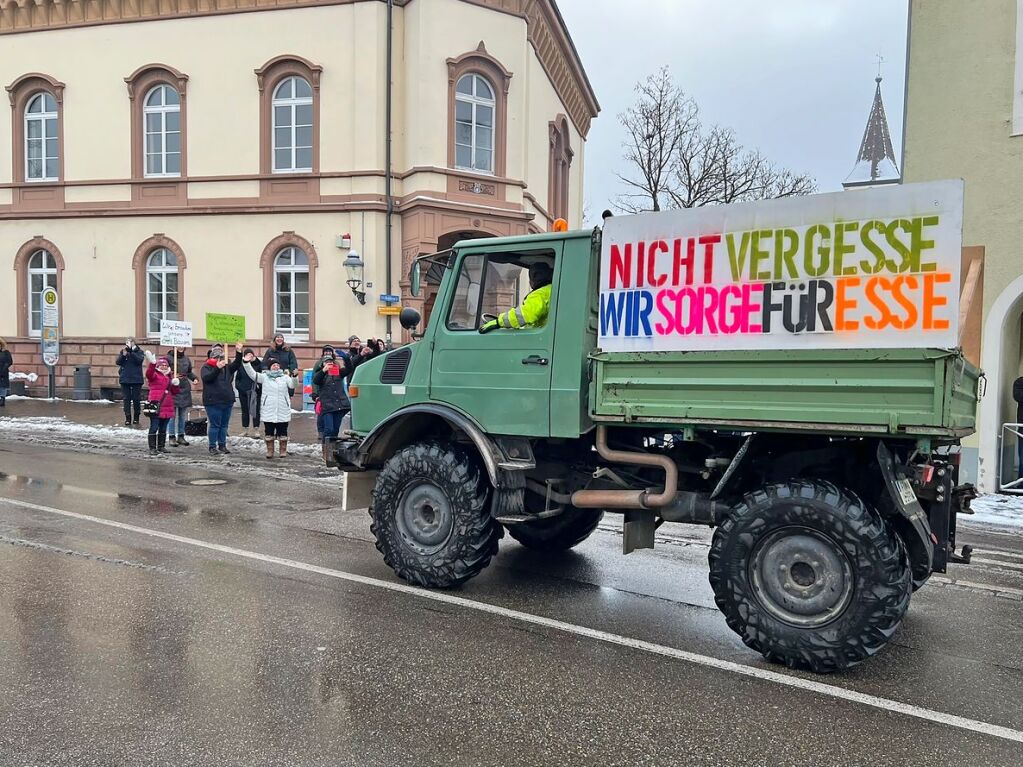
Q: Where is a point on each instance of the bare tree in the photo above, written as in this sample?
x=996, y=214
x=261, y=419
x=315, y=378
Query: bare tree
x=677, y=162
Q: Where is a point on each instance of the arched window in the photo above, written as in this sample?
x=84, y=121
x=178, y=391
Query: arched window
x=291, y=293
x=161, y=289
x=41, y=139
x=293, y=126
x=474, y=124
x=42, y=274
x=161, y=114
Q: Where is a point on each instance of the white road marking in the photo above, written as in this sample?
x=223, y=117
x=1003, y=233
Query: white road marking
x=988, y=588
x=997, y=563
x=799, y=683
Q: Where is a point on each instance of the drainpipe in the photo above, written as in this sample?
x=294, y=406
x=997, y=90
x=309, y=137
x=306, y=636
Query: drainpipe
x=387, y=155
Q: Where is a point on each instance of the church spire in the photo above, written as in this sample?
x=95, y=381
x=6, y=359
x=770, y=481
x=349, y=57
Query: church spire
x=875, y=163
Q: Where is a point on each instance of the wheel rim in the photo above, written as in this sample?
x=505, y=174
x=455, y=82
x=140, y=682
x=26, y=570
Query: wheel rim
x=802, y=577
x=424, y=518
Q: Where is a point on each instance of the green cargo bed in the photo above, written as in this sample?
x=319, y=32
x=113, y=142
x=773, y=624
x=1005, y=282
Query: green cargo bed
x=902, y=392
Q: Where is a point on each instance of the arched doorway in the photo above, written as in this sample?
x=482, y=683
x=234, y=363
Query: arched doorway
x=1001, y=360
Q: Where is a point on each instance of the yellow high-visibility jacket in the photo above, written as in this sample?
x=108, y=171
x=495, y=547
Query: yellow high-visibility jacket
x=532, y=313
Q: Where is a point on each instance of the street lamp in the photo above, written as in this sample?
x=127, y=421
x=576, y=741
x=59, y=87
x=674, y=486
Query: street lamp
x=355, y=267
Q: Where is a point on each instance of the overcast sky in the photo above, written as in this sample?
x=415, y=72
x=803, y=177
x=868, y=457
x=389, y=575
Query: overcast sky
x=792, y=77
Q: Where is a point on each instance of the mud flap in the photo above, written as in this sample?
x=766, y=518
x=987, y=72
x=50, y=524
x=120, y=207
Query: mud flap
x=912, y=523
x=358, y=489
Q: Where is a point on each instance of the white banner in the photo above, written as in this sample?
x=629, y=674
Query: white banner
x=864, y=269
x=175, y=333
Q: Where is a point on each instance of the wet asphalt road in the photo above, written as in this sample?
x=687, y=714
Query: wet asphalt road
x=119, y=647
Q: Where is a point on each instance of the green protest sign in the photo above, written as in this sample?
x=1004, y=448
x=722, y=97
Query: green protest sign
x=227, y=328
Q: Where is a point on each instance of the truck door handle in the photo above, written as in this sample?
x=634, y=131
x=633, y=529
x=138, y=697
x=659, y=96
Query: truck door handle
x=534, y=359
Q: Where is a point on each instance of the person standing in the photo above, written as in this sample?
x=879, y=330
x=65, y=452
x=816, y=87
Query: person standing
x=130, y=377
x=183, y=399
x=218, y=394
x=162, y=390
x=249, y=392
x=6, y=360
x=276, y=388
x=333, y=399
x=326, y=352
x=281, y=352
x=1017, y=394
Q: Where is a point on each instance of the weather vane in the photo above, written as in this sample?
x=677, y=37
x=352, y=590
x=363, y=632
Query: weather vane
x=880, y=61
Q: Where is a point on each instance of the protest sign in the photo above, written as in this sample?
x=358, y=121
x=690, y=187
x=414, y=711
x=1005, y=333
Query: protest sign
x=175, y=333
x=874, y=268
x=227, y=328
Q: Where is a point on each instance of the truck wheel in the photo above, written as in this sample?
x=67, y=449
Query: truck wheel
x=430, y=515
x=559, y=533
x=809, y=575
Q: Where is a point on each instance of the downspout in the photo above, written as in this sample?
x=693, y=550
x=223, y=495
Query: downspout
x=388, y=174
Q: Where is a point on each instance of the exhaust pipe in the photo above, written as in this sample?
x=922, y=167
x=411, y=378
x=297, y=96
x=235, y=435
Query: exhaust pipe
x=629, y=499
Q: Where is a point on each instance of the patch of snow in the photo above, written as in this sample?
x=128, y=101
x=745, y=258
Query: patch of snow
x=62, y=399
x=996, y=510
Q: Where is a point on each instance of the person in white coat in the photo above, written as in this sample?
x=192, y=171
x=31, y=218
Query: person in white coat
x=275, y=404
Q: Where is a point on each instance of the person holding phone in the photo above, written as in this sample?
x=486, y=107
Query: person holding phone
x=332, y=396
x=130, y=362
x=218, y=394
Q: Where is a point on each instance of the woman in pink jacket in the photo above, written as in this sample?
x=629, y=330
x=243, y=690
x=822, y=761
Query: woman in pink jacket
x=162, y=388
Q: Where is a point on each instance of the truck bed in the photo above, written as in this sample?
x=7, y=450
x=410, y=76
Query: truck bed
x=901, y=392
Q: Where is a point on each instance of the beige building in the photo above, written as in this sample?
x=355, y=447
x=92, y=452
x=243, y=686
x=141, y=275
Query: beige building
x=965, y=120
x=165, y=160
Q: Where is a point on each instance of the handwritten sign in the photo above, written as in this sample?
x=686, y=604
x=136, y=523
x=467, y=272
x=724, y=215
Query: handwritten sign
x=175, y=333
x=875, y=268
x=225, y=327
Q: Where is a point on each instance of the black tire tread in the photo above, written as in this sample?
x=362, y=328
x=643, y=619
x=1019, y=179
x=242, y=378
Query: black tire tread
x=877, y=610
x=474, y=540
x=559, y=533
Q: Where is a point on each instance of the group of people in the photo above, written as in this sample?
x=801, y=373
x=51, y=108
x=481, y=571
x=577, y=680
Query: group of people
x=264, y=390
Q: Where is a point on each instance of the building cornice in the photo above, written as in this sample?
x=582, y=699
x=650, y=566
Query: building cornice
x=546, y=30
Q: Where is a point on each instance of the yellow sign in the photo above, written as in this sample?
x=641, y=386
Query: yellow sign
x=389, y=310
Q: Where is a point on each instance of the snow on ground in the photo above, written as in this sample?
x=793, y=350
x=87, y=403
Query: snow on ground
x=15, y=397
x=996, y=511
x=303, y=464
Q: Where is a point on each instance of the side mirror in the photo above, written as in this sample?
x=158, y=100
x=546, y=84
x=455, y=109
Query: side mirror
x=409, y=318
x=416, y=279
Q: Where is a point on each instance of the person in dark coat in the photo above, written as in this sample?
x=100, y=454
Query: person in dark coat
x=332, y=401
x=281, y=352
x=249, y=391
x=218, y=394
x=1017, y=394
x=130, y=362
x=183, y=399
x=6, y=360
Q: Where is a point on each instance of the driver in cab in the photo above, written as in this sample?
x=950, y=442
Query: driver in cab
x=534, y=309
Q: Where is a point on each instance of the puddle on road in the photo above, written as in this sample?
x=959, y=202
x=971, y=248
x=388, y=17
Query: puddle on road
x=124, y=501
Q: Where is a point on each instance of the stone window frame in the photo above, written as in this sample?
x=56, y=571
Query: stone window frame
x=138, y=265
x=480, y=62
x=140, y=83
x=20, y=92
x=21, y=260
x=266, y=263
x=559, y=187
x=268, y=77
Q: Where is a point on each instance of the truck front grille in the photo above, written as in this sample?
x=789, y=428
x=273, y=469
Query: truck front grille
x=396, y=366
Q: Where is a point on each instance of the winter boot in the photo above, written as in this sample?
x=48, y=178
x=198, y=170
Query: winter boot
x=3, y=401
x=284, y=447
x=269, y=447
x=161, y=443
x=172, y=440
x=152, y=444
x=182, y=442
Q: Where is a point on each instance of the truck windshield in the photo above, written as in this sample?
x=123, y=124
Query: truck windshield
x=488, y=284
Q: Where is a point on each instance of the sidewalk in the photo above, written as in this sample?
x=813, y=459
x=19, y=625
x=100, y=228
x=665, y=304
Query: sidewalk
x=98, y=426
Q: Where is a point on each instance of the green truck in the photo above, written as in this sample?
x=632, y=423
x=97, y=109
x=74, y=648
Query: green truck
x=829, y=475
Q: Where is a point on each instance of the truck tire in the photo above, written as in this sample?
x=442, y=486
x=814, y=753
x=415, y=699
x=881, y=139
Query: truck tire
x=559, y=533
x=430, y=515
x=809, y=575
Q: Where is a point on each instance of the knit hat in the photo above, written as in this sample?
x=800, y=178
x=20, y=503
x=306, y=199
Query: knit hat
x=329, y=352
x=271, y=362
x=162, y=362
x=249, y=350
x=352, y=339
x=217, y=350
